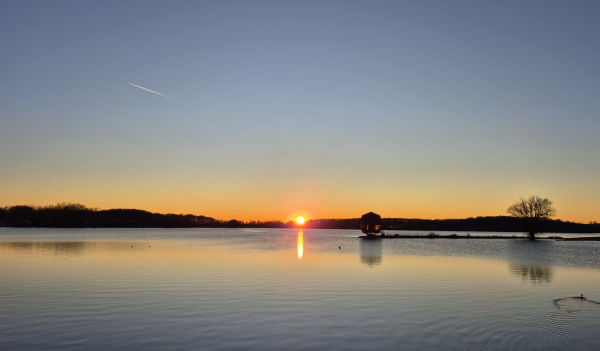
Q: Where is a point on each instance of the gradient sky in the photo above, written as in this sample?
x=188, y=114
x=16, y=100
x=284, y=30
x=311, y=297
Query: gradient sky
x=415, y=109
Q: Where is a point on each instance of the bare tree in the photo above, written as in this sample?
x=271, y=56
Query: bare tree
x=534, y=210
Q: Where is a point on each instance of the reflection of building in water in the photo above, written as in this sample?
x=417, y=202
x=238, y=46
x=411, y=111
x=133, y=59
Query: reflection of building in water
x=371, y=252
x=300, y=244
x=534, y=274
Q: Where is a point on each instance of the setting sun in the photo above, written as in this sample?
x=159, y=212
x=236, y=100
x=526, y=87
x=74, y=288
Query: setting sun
x=300, y=220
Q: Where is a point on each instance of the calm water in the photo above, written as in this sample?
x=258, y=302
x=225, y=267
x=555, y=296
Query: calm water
x=161, y=289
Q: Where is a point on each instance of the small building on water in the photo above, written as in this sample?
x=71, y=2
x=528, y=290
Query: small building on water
x=370, y=224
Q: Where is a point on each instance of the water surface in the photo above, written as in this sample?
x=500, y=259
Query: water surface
x=221, y=289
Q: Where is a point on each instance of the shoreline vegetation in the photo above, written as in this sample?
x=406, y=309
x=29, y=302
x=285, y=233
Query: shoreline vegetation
x=469, y=236
x=68, y=215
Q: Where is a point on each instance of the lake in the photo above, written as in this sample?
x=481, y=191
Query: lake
x=284, y=289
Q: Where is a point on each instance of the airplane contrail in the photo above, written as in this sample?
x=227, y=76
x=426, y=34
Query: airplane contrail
x=151, y=91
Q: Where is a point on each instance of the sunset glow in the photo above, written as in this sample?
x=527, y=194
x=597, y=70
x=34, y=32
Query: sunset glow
x=276, y=124
x=158, y=159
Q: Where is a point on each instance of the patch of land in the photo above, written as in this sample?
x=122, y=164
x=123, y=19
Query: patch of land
x=468, y=236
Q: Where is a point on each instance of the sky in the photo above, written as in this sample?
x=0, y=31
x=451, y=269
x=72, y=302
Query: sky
x=329, y=109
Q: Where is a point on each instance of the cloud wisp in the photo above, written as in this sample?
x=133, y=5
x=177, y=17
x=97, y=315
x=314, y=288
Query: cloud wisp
x=151, y=91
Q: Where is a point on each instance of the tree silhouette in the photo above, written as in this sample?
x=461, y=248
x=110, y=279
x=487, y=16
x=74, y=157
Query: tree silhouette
x=533, y=211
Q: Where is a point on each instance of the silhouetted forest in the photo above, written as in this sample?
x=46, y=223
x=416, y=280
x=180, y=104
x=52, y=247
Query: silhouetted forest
x=67, y=215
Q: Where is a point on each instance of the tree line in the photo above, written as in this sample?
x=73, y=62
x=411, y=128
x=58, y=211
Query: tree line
x=68, y=215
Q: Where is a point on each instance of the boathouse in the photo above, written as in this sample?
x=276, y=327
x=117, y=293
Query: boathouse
x=370, y=223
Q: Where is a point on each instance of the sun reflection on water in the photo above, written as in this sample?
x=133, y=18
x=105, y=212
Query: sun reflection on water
x=300, y=244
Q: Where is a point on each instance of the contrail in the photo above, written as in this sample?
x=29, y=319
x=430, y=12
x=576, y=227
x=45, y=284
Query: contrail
x=151, y=91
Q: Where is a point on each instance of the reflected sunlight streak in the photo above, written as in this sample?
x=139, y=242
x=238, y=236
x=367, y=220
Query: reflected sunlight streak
x=300, y=244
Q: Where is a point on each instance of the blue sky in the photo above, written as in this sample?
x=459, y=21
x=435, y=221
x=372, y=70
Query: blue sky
x=423, y=109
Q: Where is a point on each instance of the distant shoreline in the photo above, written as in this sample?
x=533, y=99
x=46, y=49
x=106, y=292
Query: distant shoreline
x=68, y=215
x=456, y=236
x=478, y=233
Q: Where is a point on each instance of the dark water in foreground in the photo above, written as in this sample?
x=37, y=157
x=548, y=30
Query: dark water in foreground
x=205, y=289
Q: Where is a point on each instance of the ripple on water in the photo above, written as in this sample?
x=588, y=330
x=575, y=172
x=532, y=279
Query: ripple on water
x=574, y=317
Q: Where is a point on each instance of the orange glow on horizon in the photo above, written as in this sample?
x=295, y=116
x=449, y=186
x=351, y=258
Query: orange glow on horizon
x=299, y=217
x=331, y=204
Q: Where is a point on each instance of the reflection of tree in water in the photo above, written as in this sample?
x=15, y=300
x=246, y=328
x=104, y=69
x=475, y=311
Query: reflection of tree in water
x=59, y=247
x=371, y=252
x=69, y=248
x=535, y=274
